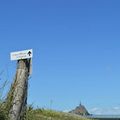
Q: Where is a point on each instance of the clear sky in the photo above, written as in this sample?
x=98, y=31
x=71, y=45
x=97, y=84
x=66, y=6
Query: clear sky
x=76, y=46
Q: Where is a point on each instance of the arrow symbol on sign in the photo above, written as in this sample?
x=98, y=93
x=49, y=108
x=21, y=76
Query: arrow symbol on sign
x=29, y=53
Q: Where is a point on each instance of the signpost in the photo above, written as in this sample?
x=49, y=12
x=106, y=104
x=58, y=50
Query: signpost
x=20, y=85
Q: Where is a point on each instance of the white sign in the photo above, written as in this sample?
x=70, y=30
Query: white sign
x=25, y=54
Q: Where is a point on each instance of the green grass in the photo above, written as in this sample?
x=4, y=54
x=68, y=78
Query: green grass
x=42, y=114
x=3, y=112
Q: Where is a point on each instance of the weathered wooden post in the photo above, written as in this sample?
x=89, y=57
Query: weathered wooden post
x=17, y=97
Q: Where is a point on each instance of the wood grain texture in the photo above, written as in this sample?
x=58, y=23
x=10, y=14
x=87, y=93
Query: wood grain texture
x=19, y=91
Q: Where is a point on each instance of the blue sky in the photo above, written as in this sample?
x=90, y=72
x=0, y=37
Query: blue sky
x=76, y=46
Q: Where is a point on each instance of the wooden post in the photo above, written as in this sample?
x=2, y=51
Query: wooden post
x=18, y=91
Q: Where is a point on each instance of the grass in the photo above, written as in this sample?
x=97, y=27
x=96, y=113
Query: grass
x=42, y=114
x=3, y=112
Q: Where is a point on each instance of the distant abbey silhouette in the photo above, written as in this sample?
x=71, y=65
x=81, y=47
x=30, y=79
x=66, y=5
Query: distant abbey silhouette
x=80, y=110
